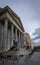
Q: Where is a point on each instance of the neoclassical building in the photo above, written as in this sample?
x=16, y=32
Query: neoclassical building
x=27, y=39
x=11, y=29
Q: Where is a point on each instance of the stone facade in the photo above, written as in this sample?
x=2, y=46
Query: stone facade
x=11, y=29
x=27, y=39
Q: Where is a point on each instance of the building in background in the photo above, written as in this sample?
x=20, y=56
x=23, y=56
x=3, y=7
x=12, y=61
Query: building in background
x=27, y=39
x=11, y=29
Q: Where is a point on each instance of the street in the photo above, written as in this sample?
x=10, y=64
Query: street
x=34, y=59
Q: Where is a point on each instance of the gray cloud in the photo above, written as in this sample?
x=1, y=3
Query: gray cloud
x=37, y=33
x=37, y=37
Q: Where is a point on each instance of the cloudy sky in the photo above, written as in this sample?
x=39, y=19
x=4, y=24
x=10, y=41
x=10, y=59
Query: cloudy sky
x=27, y=10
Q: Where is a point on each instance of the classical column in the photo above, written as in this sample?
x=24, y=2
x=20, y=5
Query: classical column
x=1, y=36
x=5, y=34
x=12, y=35
x=2, y=39
x=19, y=39
x=16, y=34
x=22, y=41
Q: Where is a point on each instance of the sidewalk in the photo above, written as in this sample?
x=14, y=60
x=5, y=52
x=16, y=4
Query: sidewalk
x=11, y=57
x=23, y=52
x=20, y=52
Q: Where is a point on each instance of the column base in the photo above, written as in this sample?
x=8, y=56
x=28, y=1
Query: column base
x=3, y=50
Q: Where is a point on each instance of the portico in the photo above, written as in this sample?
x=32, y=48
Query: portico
x=11, y=29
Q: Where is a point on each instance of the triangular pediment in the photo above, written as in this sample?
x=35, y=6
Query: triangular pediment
x=13, y=15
